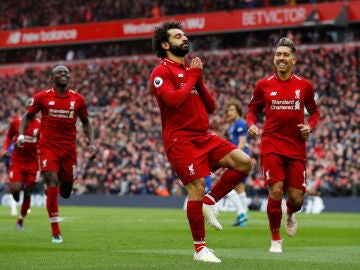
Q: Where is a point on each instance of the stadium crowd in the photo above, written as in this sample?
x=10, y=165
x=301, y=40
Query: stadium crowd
x=128, y=129
x=125, y=115
x=18, y=14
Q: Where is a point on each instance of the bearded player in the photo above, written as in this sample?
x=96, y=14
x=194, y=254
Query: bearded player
x=192, y=150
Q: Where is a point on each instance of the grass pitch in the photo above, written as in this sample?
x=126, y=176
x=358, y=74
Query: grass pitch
x=143, y=238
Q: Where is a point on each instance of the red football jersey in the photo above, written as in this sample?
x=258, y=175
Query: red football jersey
x=185, y=114
x=284, y=103
x=26, y=157
x=58, y=117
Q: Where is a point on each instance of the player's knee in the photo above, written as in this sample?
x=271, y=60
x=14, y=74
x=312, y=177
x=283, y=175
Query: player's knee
x=51, y=178
x=276, y=191
x=249, y=164
x=296, y=203
x=195, y=189
x=246, y=165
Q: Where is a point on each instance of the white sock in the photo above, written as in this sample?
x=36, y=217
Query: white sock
x=244, y=201
x=234, y=198
x=13, y=206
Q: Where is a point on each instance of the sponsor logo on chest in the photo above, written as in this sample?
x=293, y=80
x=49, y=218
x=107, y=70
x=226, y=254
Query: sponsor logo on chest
x=61, y=112
x=287, y=104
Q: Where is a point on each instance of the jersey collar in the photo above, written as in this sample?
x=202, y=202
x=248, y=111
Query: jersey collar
x=171, y=62
x=277, y=77
x=57, y=94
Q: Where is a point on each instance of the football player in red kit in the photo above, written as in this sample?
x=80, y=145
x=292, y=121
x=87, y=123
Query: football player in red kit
x=24, y=164
x=192, y=150
x=59, y=106
x=284, y=96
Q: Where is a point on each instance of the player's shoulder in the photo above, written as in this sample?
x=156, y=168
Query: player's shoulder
x=160, y=68
x=266, y=80
x=300, y=78
x=158, y=74
x=44, y=93
x=16, y=119
x=240, y=121
x=75, y=94
x=302, y=82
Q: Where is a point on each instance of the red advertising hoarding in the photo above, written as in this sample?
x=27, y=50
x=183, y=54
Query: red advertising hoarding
x=217, y=22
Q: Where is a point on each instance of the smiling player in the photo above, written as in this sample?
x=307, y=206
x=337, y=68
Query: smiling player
x=59, y=106
x=284, y=95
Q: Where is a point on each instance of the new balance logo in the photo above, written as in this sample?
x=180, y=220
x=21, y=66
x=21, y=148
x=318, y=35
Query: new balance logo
x=274, y=93
x=14, y=38
x=181, y=75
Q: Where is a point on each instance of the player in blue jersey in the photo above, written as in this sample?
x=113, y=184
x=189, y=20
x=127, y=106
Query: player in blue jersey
x=237, y=134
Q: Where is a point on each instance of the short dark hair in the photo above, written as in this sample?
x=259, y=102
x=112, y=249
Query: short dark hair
x=56, y=66
x=161, y=35
x=284, y=41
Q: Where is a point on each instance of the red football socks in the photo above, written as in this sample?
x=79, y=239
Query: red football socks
x=197, y=223
x=227, y=182
x=52, y=206
x=274, y=214
x=198, y=247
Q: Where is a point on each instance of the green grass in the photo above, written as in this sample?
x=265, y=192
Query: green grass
x=134, y=238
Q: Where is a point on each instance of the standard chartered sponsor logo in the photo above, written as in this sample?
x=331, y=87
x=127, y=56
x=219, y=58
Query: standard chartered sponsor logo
x=285, y=105
x=61, y=113
x=282, y=102
x=30, y=139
